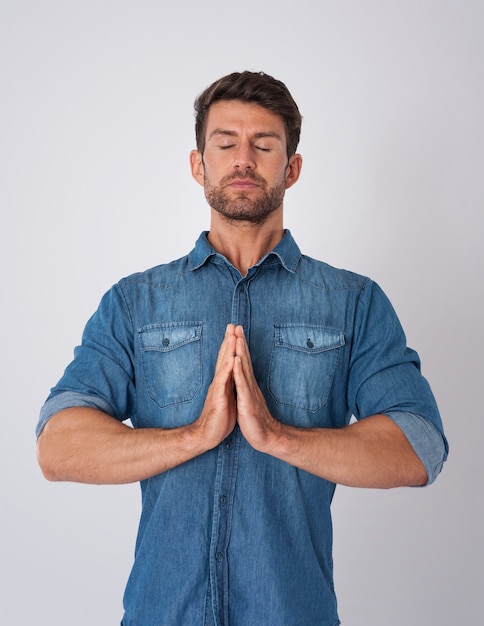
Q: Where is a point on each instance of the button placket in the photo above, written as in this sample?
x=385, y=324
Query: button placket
x=226, y=476
x=241, y=302
x=225, y=490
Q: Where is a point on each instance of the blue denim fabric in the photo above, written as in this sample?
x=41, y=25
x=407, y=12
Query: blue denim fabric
x=235, y=536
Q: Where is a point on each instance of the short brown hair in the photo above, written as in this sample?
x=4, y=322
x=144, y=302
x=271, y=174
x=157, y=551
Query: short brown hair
x=250, y=87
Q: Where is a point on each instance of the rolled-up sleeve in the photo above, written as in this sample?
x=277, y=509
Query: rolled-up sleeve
x=67, y=400
x=427, y=441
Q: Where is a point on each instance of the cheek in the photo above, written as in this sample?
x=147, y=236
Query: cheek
x=214, y=169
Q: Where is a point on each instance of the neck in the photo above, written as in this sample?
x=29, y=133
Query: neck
x=244, y=243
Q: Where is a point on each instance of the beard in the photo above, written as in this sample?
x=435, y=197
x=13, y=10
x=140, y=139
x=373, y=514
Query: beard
x=240, y=206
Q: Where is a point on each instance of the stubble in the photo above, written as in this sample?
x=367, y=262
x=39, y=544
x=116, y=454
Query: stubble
x=241, y=206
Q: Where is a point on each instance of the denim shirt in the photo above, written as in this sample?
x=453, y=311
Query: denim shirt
x=235, y=536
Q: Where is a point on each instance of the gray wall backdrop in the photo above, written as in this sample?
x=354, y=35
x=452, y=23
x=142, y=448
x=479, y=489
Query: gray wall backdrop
x=96, y=126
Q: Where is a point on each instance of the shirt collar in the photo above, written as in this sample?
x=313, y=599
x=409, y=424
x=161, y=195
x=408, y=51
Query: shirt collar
x=287, y=251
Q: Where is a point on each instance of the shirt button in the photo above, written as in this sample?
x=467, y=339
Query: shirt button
x=229, y=443
x=218, y=556
x=223, y=500
x=166, y=342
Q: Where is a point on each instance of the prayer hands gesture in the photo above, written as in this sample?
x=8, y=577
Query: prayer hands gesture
x=247, y=406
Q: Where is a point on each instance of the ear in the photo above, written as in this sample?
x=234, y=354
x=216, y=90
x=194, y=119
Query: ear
x=293, y=170
x=196, y=165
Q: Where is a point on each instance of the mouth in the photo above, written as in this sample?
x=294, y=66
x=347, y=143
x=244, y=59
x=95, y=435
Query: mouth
x=243, y=183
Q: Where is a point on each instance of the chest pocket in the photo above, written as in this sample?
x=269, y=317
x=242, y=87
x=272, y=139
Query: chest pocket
x=171, y=356
x=303, y=364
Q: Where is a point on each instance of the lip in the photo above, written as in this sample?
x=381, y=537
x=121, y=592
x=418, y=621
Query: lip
x=240, y=183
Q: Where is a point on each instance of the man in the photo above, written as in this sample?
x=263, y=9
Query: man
x=240, y=367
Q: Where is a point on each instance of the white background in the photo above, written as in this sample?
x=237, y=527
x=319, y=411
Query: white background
x=95, y=129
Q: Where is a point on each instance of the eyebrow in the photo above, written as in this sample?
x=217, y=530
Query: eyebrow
x=233, y=133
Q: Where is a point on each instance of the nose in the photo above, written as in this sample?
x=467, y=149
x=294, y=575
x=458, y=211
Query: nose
x=244, y=158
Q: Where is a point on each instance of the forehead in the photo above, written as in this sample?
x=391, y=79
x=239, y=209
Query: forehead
x=243, y=118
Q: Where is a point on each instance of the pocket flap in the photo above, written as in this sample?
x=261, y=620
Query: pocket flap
x=309, y=338
x=166, y=337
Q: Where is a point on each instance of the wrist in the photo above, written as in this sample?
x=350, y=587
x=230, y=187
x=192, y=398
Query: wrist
x=285, y=443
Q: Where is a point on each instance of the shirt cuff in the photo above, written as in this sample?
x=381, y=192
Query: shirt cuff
x=66, y=400
x=426, y=440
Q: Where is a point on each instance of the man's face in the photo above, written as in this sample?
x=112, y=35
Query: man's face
x=244, y=167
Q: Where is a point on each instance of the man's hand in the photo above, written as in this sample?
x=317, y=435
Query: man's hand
x=255, y=421
x=218, y=416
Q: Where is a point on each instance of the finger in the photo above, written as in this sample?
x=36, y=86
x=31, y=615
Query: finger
x=241, y=343
x=240, y=378
x=226, y=351
x=242, y=351
x=239, y=331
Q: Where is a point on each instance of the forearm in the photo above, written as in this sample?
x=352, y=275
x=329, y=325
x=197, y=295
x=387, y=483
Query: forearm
x=373, y=452
x=85, y=445
x=82, y=444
